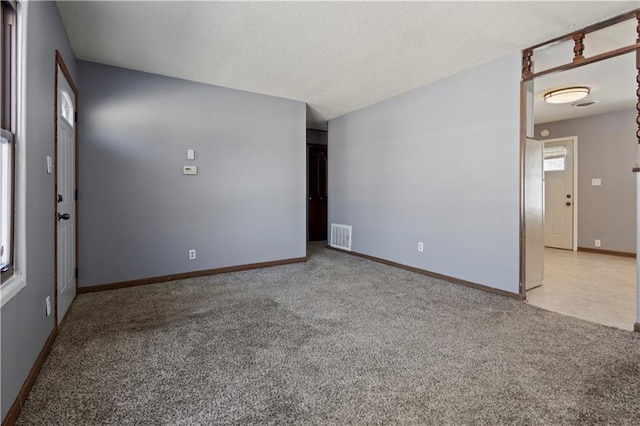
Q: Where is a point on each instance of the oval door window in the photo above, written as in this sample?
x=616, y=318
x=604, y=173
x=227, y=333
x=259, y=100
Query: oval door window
x=67, y=107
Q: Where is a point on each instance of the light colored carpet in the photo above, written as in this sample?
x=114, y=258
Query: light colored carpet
x=336, y=340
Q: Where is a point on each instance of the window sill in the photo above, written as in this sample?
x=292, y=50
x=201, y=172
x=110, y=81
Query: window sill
x=11, y=288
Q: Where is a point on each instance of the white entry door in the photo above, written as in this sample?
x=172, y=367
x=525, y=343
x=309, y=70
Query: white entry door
x=65, y=188
x=558, y=194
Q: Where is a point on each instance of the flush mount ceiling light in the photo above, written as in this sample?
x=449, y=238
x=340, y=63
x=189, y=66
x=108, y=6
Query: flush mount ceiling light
x=566, y=95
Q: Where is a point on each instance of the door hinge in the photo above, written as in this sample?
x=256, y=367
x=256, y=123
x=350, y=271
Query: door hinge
x=75, y=272
x=75, y=116
x=75, y=194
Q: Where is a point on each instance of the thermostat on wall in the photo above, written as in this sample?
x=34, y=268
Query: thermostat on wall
x=189, y=170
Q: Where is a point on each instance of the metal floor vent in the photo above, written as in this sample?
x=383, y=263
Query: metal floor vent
x=341, y=236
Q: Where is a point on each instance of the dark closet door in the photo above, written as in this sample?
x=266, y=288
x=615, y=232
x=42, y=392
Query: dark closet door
x=317, y=190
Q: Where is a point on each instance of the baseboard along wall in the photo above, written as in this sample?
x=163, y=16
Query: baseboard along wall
x=185, y=275
x=609, y=252
x=16, y=407
x=447, y=278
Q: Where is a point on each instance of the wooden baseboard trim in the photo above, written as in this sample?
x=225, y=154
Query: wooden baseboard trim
x=636, y=327
x=436, y=275
x=185, y=275
x=13, y=413
x=609, y=252
x=16, y=407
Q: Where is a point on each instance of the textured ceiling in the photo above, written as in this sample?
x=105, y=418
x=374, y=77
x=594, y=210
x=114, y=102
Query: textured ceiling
x=335, y=56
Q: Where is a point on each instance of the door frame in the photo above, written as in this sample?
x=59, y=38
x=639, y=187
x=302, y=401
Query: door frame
x=574, y=141
x=309, y=147
x=59, y=63
x=526, y=112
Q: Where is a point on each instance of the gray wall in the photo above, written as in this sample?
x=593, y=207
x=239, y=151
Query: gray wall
x=25, y=327
x=606, y=150
x=139, y=215
x=440, y=165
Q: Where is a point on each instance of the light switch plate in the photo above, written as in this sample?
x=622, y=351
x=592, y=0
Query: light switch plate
x=596, y=182
x=191, y=154
x=49, y=164
x=189, y=170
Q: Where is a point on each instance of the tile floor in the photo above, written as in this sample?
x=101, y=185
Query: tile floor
x=593, y=287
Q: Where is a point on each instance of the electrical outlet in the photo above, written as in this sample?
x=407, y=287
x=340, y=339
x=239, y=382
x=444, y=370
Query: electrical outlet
x=420, y=247
x=192, y=254
x=48, y=303
x=597, y=243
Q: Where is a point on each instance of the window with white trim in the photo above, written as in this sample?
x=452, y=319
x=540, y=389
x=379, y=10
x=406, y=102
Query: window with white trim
x=8, y=91
x=554, y=158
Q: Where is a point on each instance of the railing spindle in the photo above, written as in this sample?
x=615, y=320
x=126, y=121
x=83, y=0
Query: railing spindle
x=578, y=48
x=527, y=65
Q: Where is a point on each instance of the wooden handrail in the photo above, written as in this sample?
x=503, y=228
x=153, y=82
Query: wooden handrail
x=586, y=61
x=589, y=29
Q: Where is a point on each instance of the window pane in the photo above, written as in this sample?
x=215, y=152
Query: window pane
x=7, y=60
x=5, y=201
x=67, y=107
x=554, y=164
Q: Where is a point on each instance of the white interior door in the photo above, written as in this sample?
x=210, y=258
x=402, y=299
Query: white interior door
x=65, y=187
x=533, y=214
x=558, y=194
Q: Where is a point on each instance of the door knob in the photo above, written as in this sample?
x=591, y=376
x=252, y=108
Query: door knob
x=568, y=195
x=65, y=216
x=568, y=203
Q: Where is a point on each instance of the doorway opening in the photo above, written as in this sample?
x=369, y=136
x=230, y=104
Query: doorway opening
x=317, y=196
x=579, y=206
